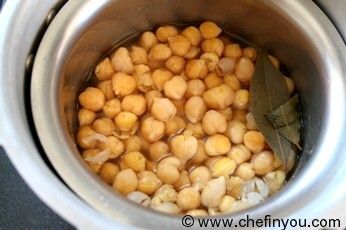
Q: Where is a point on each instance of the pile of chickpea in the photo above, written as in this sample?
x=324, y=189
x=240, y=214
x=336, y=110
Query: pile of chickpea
x=168, y=124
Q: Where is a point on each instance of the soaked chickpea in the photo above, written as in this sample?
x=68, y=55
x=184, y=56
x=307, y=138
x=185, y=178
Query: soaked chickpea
x=189, y=198
x=184, y=147
x=88, y=156
x=242, y=99
x=175, y=88
x=122, y=61
x=88, y=138
x=234, y=186
x=148, y=182
x=193, y=53
x=152, y=129
x=104, y=70
x=192, y=34
x=133, y=143
x=135, y=160
x=225, y=66
x=161, y=76
x=163, y=109
x=85, y=117
x=164, y=32
x=219, y=97
x=254, y=141
x=138, y=55
x=200, y=176
x=211, y=60
x=245, y=171
x=168, y=170
x=112, y=108
x=227, y=113
x=104, y=126
x=114, y=145
x=108, y=172
x=174, y=125
x=232, y=82
x=123, y=84
x=250, y=122
x=214, y=45
x=175, y=64
x=223, y=166
x=147, y=40
x=250, y=53
x=107, y=89
x=244, y=70
x=233, y=51
x=151, y=96
x=197, y=212
x=212, y=80
x=226, y=204
x=263, y=162
x=92, y=99
x=217, y=145
x=179, y=45
x=125, y=181
x=209, y=30
x=158, y=150
x=134, y=103
x=195, y=130
x=160, y=52
x=183, y=181
x=213, y=192
x=125, y=121
x=214, y=122
x=239, y=153
x=236, y=131
x=195, y=87
x=240, y=115
x=196, y=68
x=195, y=109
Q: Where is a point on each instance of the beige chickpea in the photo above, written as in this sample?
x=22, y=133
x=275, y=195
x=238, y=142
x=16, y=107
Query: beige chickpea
x=234, y=186
x=189, y=198
x=175, y=64
x=134, y=143
x=144, y=82
x=114, y=145
x=151, y=96
x=200, y=176
x=148, y=182
x=141, y=69
x=89, y=154
x=219, y=97
x=123, y=166
x=227, y=113
x=85, y=117
x=236, y=131
x=195, y=130
x=179, y=45
x=92, y=99
x=254, y=141
x=244, y=70
x=179, y=105
x=168, y=170
x=233, y=51
x=112, y=108
x=214, y=122
x=125, y=181
x=135, y=160
x=213, y=192
x=104, y=70
x=158, y=150
x=147, y=40
x=160, y=52
x=289, y=84
x=163, y=109
x=242, y=99
x=275, y=180
x=195, y=109
x=216, y=145
x=104, y=126
x=223, y=166
x=211, y=60
x=200, y=155
x=184, y=147
x=166, y=193
x=209, y=30
x=160, y=77
x=108, y=172
x=239, y=153
x=174, y=125
x=139, y=198
x=214, y=45
x=167, y=207
x=250, y=53
x=274, y=61
x=240, y=115
x=125, y=121
x=123, y=84
x=193, y=52
x=183, y=181
x=263, y=162
x=107, y=89
x=197, y=212
x=175, y=88
x=245, y=171
x=138, y=55
x=195, y=87
x=122, y=61
x=164, y=32
x=212, y=80
x=226, y=204
x=134, y=103
x=250, y=122
x=196, y=68
x=232, y=82
x=192, y=34
x=88, y=138
x=152, y=129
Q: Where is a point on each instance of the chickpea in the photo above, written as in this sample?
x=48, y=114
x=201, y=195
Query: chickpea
x=123, y=84
x=234, y=186
x=197, y=212
x=125, y=181
x=88, y=138
x=114, y=145
x=135, y=160
x=214, y=122
x=200, y=176
x=214, y=45
x=107, y=89
x=242, y=97
x=250, y=122
x=227, y=113
x=148, y=182
x=212, y=80
x=184, y=147
x=263, y=162
x=138, y=55
x=200, y=156
x=254, y=141
x=122, y=61
x=225, y=66
x=166, y=193
x=92, y=99
x=226, y=204
x=89, y=155
x=123, y=166
x=275, y=180
x=163, y=109
x=216, y=145
x=104, y=126
x=108, y=172
x=175, y=88
x=209, y=30
x=213, y=211
x=175, y=64
x=160, y=52
x=196, y=68
x=188, y=198
x=233, y=51
x=236, y=131
x=219, y=97
x=232, y=82
x=193, y=52
x=135, y=104
x=245, y=171
x=139, y=198
x=147, y=40
x=160, y=77
x=112, y=108
x=274, y=61
x=144, y=82
x=156, y=64
x=150, y=166
x=290, y=85
x=195, y=130
x=179, y=45
x=85, y=117
x=151, y=96
x=195, y=87
x=125, y=121
x=104, y=70
x=213, y=192
x=211, y=60
x=195, y=109
x=134, y=143
x=250, y=53
x=183, y=181
x=141, y=69
x=164, y=32
x=167, y=170
x=179, y=105
x=174, y=125
x=223, y=166
x=244, y=70
x=239, y=153
x=192, y=34
x=152, y=129
x=158, y=150
x=167, y=207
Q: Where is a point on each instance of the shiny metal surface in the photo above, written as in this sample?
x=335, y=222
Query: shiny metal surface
x=296, y=31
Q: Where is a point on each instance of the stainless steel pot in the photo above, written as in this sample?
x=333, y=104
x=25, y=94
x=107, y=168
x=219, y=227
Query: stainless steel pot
x=83, y=30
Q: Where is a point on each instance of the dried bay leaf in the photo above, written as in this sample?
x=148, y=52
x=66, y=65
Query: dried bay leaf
x=268, y=91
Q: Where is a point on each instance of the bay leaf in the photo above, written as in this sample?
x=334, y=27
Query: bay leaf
x=268, y=91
